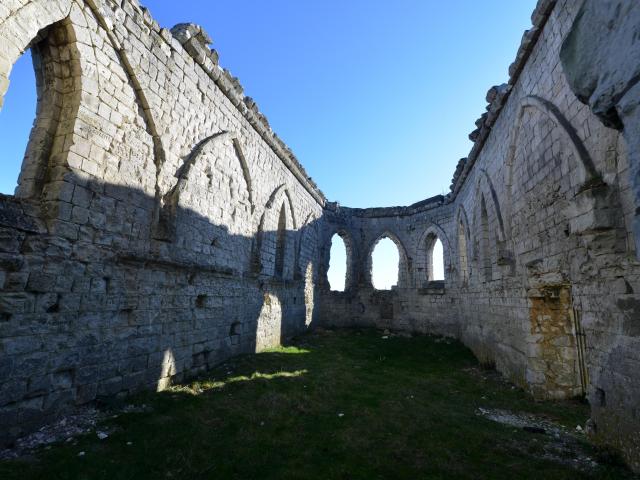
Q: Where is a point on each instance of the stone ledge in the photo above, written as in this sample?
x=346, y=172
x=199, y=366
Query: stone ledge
x=150, y=260
x=381, y=212
x=434, y=287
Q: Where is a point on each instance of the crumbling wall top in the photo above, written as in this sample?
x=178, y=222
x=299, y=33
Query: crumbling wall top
x=498, y=95
x=195, y=41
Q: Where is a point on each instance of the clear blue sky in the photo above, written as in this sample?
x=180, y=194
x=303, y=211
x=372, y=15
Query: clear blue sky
x=376, y=98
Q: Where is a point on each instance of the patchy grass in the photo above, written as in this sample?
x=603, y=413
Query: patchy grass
x=333, y=405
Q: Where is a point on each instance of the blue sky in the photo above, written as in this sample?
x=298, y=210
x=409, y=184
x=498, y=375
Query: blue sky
x=376, y=98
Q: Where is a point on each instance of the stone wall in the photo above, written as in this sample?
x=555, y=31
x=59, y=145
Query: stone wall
x=159, y=225
x=542, y=277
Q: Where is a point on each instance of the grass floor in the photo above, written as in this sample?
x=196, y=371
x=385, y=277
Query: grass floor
x=332, y=405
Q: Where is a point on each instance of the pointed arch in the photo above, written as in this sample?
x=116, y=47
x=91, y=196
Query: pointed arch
x=171, y=200
x=404, y=263
x=345, y=236
x=46, y=32
x=486, y=257
x=306, y=245
x=172, y=197
x=281, y=242
x=463, y=238
x=275, y=196
x=31, y=20
x=37, y=21
x=424, y=253
x=496, y=203
x=159, y=151
x=278, y=215
x=485, y=188
x=587, y=172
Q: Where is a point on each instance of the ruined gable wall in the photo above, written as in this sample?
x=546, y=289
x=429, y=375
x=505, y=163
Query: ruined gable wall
x=140, y=245
x=550, y=290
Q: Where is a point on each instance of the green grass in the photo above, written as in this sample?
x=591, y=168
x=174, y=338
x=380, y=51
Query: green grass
x=333, y=405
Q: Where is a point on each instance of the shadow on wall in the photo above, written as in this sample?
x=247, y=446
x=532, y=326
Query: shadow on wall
x=107, y=287
x=86, y=294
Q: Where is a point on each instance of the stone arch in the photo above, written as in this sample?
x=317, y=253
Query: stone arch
x=281, y=192
x=485, y=252
x=348, y=244
x=550, y=170
x=424, y=253
x=499, y=239
x=278, y=208
x=307, y=245
x=496, y=203
x=171, y=200
x=245, y=169
x=36, y=21
x=486, y=190
x=51, y=36
x=29, y=20
x=136, y=124
x=586, y=169
x=281, y=242
x=463, y=242
x=159, y=151
x=404, y=264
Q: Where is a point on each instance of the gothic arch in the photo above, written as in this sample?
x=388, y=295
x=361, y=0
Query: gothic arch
x=484, y=244
x=586, y=168
x=275, y=197
x=424, y=250
x=267, y=237
x=171, y=200
x=32, y=19
x=404, y=263
x=491, y=199
x=39, y=25
x=159, y=151
x=349, y=247
x=462, y=245
x=38, y=20
x=462, y=217
x=307, y=245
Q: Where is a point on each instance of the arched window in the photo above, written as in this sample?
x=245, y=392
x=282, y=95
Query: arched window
x=16, y=119
x=485, y=246
x=281, y=240
x=437, y=260
x=385, y=260
x=337, y=273
x=434, y=258
x=462, y=252
x=56, y=61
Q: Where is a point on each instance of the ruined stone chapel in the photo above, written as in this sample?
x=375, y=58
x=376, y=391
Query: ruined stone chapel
x=160, y=226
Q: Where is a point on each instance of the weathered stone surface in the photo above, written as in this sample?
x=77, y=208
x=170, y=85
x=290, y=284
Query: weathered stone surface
x=140, y=132
x=546, y=287
x=601, y=58
x=161, y=226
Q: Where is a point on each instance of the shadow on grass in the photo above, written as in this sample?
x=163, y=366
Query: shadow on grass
x=332, y=405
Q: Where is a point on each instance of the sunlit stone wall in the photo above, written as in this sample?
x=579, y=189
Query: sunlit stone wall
x=158, y=220
x=160, y=226
x=542, y=277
